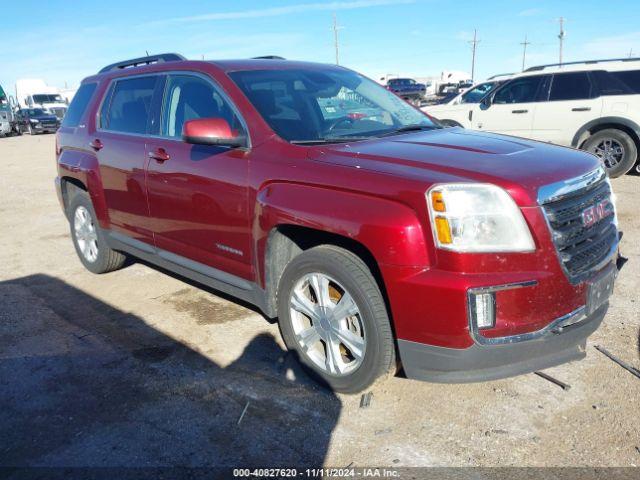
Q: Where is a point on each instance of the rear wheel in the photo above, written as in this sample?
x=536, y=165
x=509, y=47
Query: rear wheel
x=88, y=238
x=615, y=148
x=331, y=312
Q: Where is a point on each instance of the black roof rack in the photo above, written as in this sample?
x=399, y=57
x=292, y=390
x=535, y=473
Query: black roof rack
x=268, y=57
x=586, y=62
x=134, y=62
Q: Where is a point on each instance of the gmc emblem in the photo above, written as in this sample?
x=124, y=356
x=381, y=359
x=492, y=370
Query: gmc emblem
x=595, y=213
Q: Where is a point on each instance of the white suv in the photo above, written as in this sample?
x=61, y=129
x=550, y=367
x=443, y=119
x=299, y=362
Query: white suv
x=593, y=105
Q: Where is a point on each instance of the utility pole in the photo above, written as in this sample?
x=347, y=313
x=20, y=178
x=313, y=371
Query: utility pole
x=631, y=53
x=561, y=38
x=335, y=38
x=474, y=44
x=524, y=50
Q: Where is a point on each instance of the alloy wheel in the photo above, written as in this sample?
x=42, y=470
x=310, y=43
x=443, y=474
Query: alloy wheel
x=86, y=235
x=327, y=324
x=610, y=152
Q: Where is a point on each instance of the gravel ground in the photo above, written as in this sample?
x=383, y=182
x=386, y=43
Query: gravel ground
x=139, y=368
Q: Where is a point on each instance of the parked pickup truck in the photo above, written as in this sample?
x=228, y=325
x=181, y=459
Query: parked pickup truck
x=377, y=239
x=407, y=88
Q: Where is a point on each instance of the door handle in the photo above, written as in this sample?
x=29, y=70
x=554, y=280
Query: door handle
x=470, y=115
x=96, y=144
x=159, y=155
x=519, y=111
x=581, y=109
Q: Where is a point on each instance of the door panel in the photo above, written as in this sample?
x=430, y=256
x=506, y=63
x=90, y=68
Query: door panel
x=120, y=148
x=198, y=204
x=511, y=119
x=121, y=161
x=512, y=107
x=569, y=107
x=198, y=194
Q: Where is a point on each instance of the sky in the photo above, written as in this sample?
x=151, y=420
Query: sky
x=65, y=41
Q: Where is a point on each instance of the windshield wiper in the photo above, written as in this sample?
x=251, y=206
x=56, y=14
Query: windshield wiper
x=410, y=128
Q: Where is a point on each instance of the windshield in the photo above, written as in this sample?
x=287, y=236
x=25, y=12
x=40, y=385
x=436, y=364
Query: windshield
x=478, y=92
x=35, y=112
x=314, y=105
x=49, y=98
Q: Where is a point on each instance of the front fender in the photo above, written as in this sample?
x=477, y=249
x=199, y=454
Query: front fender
x=391, y=231
x=83, y=167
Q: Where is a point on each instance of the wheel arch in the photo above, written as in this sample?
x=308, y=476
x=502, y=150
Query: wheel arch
x=594, y=126
x=67, y=185
x=450, y=123
x=81, y=169
x=287, y=241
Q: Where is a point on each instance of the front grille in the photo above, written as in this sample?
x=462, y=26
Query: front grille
x=582, y=248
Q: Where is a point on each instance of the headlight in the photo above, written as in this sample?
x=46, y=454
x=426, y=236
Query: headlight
x=471, y=217
x=34, y=120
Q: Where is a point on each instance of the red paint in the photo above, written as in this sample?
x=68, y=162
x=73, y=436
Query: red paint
x=372, y=192
x=207, y=128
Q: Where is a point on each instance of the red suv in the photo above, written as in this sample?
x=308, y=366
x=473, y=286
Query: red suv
x=378, y=239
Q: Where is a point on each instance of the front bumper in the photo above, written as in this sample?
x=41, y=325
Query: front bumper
x=553, y=346
x=48, y=127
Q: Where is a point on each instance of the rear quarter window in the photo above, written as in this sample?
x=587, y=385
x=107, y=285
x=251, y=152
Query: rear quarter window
x=79, y=105
x=618, y=82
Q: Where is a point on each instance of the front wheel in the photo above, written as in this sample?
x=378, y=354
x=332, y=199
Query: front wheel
x=332, y=313
x=615, y=148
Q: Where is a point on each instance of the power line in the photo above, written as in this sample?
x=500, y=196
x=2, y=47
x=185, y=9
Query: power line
x=561, y=38
x=474, y=44
x=524, y=51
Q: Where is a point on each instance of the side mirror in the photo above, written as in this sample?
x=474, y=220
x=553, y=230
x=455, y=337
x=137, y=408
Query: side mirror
x=211, y=131
x=485, y=102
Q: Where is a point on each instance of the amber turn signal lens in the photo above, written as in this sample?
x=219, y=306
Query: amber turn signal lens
x=443, y=230
x=437, y=202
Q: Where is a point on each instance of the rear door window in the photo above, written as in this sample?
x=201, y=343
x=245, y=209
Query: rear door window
x=570, y=86
x=79, y=105
x=130, y=105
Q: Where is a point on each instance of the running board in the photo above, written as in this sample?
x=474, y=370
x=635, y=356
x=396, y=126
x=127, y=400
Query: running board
x=211, y=277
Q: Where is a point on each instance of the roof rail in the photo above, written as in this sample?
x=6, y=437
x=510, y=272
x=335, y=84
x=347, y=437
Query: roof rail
x=586, y=62
x=148, y=60
x=268, y=57
x=500, y=75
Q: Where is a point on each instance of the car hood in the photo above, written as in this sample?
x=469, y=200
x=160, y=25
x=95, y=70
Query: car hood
x=458, y=155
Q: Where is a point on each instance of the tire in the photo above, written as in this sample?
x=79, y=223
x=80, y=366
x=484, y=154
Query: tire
x=105, y=259
x=370, y=322
x=615, y=148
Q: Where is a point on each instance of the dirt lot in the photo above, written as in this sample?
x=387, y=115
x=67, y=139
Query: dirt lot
x=138, y=368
